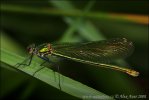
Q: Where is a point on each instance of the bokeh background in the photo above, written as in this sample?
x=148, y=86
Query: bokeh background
x=32, y=21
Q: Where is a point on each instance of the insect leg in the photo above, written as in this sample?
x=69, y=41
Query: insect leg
x=59, y=83
x=54, y=64
x=39, y=68
x=30, y=60
x=58, y=70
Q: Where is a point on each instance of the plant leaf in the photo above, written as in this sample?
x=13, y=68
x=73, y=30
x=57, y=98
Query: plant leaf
x=50, y=77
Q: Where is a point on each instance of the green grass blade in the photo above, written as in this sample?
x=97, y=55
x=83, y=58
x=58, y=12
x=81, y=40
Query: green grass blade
x=76, y=13
x=50, y=77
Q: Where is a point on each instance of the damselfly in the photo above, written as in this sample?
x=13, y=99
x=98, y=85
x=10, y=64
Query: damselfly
x=93, y=53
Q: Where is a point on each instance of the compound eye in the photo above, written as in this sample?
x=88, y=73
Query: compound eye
x=31, y=48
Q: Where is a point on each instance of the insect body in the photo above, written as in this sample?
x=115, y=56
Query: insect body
x=94, y=53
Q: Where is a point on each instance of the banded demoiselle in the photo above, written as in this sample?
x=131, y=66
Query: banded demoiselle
x=94, y=53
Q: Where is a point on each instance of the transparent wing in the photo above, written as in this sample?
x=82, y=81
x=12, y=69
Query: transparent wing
x=98, y=51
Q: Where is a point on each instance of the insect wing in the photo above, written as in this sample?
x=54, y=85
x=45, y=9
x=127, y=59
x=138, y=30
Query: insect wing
x=98, y=52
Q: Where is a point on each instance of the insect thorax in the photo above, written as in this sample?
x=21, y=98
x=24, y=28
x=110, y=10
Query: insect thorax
x=44, y=50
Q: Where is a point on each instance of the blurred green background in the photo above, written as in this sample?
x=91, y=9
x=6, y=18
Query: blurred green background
x=24, y=22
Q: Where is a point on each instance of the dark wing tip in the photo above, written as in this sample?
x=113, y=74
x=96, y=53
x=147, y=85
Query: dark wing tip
x=120, y=47
x=128, y=45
